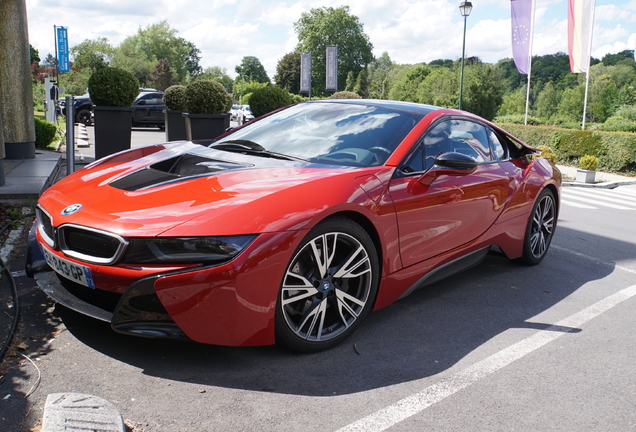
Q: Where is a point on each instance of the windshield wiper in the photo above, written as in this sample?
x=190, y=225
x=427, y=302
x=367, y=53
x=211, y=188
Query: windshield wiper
x=252, y=148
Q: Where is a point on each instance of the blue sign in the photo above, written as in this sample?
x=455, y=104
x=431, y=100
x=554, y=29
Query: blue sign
x=63, y=62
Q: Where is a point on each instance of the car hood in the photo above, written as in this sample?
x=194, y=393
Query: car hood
x=184, y=189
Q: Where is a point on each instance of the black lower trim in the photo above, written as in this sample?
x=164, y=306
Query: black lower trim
x=458, y=265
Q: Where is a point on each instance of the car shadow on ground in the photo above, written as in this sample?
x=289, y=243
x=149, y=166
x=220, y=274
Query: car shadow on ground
x=417, y=337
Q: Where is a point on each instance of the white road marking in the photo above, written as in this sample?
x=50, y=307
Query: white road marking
x=578, y=205
x=604, y=195
x=577, y=195
x=387, y=417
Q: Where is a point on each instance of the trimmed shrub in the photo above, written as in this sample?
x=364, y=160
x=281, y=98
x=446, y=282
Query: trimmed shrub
x=113, y=87
x=345, y=95
x=518, y=119
x=175, y=98
x=588, y=162
x=268, y=99
x=44, y=133
x=616, y=151
x=207, y=97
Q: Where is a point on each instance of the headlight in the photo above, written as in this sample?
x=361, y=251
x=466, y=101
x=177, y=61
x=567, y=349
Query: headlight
x=192, y=250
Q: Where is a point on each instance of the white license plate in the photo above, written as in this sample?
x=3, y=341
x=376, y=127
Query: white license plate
x=75, y=272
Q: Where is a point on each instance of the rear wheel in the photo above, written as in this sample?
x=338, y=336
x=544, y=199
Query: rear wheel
x=540, y=229
x=328, y=288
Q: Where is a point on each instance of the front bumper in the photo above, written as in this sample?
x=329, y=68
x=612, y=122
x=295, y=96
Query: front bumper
x=231, y=305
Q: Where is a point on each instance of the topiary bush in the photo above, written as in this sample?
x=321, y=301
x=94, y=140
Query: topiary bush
x=207, y=97
x=345, y=95
x=588, y=162
x=268, y=99
x=44, y=132
x=113, y=87
x=175, y=98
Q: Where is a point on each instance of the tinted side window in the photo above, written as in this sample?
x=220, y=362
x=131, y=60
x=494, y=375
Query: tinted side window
x=459, y=136
x=498, y=149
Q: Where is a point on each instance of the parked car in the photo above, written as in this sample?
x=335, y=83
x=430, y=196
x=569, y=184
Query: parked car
x=293, y=228
x=235, y=111
x=83, y=108
x=146, y=115
x=148, y=109
x=247, y=113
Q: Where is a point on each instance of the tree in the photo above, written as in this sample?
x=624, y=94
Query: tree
x=439, y=88
x=288, y=73
x=162, y=77
x=379, y=77
x=405, y=89
x=603, y=96
x=547, y=101
x=483, y=90
x=513, y=103
x=625, y=57
x=92, y=54
x=325, y=26
x=141, y=52
x=218, y=74
x=361, y=86
x=35, y=55
x=251, y=69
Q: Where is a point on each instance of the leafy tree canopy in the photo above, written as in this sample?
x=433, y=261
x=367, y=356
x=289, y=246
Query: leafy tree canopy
x=35, y=55
x=155, y=42
x=218, y=74
x=92, y=54
x=288, y=73
x=251, y=69
x=325, y=26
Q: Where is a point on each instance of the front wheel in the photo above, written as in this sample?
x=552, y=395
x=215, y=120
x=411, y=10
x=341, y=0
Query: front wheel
x=540, y=229
x=83, y=116
x=328, y=288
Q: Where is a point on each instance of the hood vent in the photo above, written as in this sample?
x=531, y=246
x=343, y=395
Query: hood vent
x=183, y=167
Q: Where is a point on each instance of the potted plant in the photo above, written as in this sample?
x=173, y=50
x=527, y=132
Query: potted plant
x=268, y=99
x=176, y=103
x=208, y=106
x=113, y=91
x=587, y=171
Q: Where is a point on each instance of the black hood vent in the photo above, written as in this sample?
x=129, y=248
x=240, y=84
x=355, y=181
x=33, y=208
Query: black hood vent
x=179, y=168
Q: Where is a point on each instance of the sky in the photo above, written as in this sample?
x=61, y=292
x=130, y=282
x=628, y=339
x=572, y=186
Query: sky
x=410, y=31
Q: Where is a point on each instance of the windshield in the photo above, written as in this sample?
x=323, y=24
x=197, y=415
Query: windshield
x=330, y=133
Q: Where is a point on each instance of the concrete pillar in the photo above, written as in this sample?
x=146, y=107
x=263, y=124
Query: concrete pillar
x=16, y=94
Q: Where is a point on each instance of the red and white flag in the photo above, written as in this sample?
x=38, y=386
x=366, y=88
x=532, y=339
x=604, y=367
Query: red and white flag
x=580, y=34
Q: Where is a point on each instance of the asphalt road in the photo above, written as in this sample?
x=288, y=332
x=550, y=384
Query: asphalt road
x=499, y=347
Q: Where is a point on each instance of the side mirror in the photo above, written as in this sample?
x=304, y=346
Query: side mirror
x=452, y=163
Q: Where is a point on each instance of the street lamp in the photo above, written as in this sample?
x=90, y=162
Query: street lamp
x=465, y=8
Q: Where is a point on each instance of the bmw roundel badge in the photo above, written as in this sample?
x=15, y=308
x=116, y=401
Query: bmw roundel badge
x=71, y=209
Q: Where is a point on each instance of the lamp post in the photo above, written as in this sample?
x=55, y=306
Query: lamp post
x=465, y=8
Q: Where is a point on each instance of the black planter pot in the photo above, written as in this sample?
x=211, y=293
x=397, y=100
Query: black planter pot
x=175, y=125
x=21, y=150
x=206, y=126
x=113, y=126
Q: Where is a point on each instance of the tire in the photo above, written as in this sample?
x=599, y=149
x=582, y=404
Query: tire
x=83, y=116
x=540, y=229
x=328, y=288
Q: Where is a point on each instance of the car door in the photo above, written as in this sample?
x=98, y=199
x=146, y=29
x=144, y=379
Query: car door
x=440, y=209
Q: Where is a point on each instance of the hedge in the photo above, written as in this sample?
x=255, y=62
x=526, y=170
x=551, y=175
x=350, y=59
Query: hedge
x=616, y=151
x=44, y=133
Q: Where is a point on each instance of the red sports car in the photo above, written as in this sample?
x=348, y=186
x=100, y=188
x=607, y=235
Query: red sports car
x=292, y=228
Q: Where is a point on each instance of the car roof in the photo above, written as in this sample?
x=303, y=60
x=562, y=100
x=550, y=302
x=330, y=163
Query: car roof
x=399, y=105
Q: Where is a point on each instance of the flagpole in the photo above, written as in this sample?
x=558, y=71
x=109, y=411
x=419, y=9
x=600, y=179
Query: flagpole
x=534, y=4
x=589, y=60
